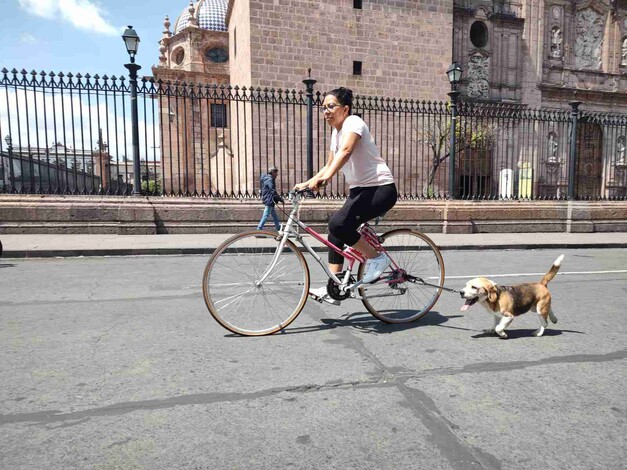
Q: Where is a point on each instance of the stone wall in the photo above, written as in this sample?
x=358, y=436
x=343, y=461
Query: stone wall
x=153, y=215
x=404, y=46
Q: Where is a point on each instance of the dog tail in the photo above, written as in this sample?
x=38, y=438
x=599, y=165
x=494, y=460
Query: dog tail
x=553, y=271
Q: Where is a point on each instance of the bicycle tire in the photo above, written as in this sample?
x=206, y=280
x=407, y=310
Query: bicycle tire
x=230, y=287
x=415, y=253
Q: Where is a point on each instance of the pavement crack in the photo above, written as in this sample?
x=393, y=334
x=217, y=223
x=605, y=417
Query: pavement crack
x=47, y=417
x=459, y=455
x=517, y=365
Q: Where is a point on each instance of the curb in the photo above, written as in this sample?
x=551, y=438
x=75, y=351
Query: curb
x=18, y=254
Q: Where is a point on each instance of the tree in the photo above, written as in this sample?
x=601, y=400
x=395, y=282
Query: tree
x=468, y=135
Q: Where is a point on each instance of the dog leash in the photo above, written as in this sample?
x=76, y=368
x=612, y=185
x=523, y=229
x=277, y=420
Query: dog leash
x=422, y=281
x=451, y=290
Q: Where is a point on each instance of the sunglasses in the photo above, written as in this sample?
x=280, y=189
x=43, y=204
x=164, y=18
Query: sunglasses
x=330, y=107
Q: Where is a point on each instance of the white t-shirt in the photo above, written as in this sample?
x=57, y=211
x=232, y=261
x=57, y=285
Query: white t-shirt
x=365, y=167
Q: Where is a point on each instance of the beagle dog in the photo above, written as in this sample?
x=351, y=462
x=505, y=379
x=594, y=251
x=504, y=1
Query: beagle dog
x=507, y=302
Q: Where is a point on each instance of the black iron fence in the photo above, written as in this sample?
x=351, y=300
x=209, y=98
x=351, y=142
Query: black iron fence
x=72, y=134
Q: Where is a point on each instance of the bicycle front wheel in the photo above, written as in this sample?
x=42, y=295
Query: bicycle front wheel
x=247, y=297
x=411, y=286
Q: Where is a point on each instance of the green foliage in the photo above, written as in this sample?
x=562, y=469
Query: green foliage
x=151, y=187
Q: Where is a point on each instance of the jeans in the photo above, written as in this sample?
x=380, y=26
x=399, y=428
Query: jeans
x=266, y=212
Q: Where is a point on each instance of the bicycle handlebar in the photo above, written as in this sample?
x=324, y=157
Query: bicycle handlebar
x=306, y=192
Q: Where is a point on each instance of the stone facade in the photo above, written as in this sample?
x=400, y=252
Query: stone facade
x=543, y=53
x=528, y=53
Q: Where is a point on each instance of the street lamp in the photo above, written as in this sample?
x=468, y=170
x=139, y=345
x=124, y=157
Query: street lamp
x=9, y=142
x=131, y=40
x=454, y=74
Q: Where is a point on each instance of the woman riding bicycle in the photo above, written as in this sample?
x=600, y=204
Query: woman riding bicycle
x=371, y=184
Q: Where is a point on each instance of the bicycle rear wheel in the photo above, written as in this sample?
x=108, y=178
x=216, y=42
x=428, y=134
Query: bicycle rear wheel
x=236, y=298
x=402, y=294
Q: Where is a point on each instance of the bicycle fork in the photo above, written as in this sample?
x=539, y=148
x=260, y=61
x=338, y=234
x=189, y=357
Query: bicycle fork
x=274, y=261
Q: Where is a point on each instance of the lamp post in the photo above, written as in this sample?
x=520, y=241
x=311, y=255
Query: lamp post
x=9, y=142
x=309, y=83
x=454, y=74
x=131, y=40
x=572, y=155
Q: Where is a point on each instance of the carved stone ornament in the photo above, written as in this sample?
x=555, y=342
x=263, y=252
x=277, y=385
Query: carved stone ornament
x=589, y=25
x=478, y=74
x=623, y=53
x=557, y=12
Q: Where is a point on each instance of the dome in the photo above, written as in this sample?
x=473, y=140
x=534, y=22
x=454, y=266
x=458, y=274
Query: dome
x=210, y=14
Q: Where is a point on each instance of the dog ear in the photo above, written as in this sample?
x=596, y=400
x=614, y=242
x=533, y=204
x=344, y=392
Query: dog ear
x=492, y=292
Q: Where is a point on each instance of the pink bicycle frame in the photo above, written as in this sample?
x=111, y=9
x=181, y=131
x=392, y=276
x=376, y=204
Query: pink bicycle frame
x=349, y=253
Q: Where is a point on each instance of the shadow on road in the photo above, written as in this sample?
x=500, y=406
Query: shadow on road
x=524, y=333
x=366, y=322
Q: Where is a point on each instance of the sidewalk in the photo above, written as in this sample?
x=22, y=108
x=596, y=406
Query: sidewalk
x=39, y=245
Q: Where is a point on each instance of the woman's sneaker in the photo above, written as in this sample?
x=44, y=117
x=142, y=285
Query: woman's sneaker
x=322, y=295
x=375, y=267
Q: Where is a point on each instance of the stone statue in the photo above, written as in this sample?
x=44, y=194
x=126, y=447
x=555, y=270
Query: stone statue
x=556, y=42
x=552, y=148
x=623, y=53
x=621, y=157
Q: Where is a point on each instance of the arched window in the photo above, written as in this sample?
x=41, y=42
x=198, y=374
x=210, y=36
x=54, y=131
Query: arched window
x=479, y=34
x=178, y=55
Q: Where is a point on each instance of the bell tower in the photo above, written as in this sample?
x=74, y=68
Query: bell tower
x=193, y=63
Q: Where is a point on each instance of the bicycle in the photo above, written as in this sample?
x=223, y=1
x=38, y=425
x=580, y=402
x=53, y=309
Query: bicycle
x=257, y=282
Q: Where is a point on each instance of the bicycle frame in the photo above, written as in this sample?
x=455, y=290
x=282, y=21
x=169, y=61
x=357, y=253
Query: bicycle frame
x=352, y=256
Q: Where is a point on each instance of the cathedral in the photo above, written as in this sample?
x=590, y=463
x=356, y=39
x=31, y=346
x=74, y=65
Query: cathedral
x=530, y=53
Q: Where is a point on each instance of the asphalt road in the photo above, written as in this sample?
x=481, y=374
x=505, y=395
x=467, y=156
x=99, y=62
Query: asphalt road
x=114, y=363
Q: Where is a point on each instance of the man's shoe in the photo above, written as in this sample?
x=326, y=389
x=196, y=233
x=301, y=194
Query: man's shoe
x=375, y=267
x=321, y=295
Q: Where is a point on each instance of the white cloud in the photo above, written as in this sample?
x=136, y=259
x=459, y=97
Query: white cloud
x=27, y=38
x=83, y=14
x=44, y=8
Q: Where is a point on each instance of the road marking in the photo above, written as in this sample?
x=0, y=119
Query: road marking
x=568, y=273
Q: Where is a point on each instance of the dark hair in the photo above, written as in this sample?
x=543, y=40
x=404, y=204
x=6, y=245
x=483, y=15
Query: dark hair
x=344, y=96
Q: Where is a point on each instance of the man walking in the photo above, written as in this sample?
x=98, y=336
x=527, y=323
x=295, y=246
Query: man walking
x=270, y=197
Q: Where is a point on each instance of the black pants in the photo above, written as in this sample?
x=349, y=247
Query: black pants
x=362, y=205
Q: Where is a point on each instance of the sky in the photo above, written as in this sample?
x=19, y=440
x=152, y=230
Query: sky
x=77, y=36
x=81, y=35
